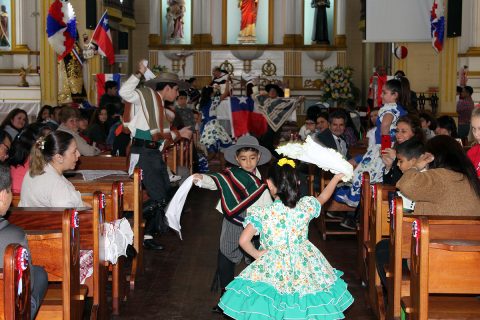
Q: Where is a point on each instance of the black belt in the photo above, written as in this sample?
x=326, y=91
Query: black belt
x=146, y=143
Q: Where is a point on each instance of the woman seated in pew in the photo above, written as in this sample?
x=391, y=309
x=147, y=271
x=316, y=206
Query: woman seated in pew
x=441, y=181
x=19, y=155
x=45, y=185
x=408, y=127
x=13, y=234
x=450, y=185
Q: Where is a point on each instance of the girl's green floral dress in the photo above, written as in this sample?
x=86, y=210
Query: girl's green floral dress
x=292, y=280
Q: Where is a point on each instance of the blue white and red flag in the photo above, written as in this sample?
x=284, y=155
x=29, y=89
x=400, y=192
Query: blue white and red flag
x=437, y=22
x=61, y=28
x=103, y=39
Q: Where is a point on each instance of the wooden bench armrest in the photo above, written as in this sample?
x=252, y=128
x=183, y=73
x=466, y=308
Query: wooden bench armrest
x=40, y=235
x=456, y=245
x=406, y=303
x=386, y=268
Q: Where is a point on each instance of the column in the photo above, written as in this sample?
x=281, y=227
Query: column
x=48, y=62
x=340, y=25
x=202, y=67
x=201, y=22
x=293, y=69
x=475, y=27
x=291, y=36
x=448, y=76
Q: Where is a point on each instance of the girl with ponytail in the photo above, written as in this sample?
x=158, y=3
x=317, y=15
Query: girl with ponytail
x=45, y=185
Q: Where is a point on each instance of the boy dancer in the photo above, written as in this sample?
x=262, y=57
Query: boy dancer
x=241, y=187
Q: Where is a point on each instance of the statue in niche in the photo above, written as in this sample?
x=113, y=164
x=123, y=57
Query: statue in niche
x=320, y=26
x=4, y=38
x=175, y=13
x=248, y=10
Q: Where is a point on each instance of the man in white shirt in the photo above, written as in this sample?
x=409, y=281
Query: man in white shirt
x=149, y=124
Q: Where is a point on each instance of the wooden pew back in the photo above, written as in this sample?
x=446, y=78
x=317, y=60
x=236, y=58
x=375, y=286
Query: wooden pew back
x=103, y=162
x=378, y=230
x=445, y=255
x=91, y=237
x=367, y=198
x=14, y=294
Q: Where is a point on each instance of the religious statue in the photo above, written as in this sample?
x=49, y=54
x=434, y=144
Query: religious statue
x=175, y=13
x=320, y=26
x=248, y=9
x=23, y=77
x=4, y=38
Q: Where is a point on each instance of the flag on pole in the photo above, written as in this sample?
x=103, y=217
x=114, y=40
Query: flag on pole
x=101, y=79
x=437, y=22
x=103, y=39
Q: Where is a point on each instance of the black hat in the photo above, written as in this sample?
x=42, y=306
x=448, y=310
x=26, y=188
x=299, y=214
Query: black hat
x=279, y=90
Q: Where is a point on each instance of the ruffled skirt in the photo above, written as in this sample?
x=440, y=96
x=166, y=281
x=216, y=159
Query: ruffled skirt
x=247, y=299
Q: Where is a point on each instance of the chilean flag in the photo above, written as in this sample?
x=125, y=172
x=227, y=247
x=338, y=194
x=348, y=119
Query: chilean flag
x=437, y=22
x=101, y=79
x=103, y=39
x=245, y=118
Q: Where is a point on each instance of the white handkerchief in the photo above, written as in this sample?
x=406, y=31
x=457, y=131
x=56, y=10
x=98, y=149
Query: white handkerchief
x=134, y=157
x=175, y=207
x=149, y=75
x=323, y=157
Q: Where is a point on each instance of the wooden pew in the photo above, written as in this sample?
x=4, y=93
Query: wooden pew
x=132, y=201
x=363, y=244
x=59, y=253
x=446, y=266
x=113, y=211
x=332, y=206
x=12, y=304
x=91, y=238
x=102, y=162
x=378, y=228
x=398, y=281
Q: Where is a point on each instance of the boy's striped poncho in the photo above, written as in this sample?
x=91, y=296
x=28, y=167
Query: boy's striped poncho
x=239, y=190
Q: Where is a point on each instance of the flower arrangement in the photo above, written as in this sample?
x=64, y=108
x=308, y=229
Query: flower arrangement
x=157, y=69
x=336, y=84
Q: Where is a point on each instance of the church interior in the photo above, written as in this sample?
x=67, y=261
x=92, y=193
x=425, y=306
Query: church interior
x=135, y=114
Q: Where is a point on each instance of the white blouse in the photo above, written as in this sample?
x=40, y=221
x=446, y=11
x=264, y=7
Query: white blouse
x=49, y=189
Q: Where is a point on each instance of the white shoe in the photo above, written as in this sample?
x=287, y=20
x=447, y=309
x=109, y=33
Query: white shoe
x=174, y=178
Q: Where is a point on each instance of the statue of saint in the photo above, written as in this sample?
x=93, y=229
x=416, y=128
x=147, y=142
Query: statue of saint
x=248, y=9
x=175, y=13
x=320, y=26
x=4, y=37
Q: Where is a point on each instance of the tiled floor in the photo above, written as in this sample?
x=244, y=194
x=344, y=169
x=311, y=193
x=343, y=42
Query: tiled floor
x=176, y=282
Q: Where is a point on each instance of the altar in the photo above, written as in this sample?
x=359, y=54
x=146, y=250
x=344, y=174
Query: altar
x=28, y=99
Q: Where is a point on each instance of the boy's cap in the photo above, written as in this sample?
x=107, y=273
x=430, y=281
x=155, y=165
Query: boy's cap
x=247, y=142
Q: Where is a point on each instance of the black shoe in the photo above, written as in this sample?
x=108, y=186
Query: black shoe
x=152, y=245
x=335, y=215
x=217, y=309
x=349, y=224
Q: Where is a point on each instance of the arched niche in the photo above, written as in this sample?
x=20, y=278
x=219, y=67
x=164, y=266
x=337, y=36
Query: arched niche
x=233, y=20
x=187, y=23
x=308, y=21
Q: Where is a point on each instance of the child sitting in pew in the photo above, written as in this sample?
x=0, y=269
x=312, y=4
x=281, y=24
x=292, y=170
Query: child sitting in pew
x=442, y=181
x=13, y=234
